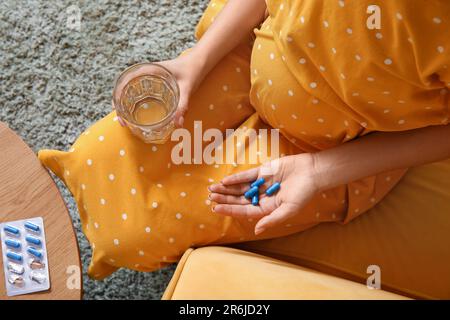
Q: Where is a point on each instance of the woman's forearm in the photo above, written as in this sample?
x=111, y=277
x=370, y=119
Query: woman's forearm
x=233, y=24
x=380, y=152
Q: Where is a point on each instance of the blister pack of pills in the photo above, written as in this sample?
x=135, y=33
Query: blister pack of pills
x=24, y=256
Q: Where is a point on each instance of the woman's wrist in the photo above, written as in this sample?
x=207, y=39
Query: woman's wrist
x=322, y=172
x=196, y=64
x=200, y=59
x=306, y=167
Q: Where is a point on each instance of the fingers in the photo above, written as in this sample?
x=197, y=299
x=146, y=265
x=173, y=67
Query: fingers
x=182, y=108
x=236, y=190
x=277, y=216
x=228, y=199
x=235, y=199
x=239, y=210
x=241, y=177
x=122, y=123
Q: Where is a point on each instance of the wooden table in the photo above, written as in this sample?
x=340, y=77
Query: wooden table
x=26, y=191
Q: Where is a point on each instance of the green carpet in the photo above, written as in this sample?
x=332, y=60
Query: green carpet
x=55, y=81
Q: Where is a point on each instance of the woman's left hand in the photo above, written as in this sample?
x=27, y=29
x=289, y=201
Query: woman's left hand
x=298, y=185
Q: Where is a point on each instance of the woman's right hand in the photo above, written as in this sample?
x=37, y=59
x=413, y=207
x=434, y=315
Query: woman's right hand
x=232, y=26
x=188, y=71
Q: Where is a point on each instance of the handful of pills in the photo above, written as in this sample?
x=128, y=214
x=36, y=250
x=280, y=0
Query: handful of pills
x=253, y=192
x=24, y=256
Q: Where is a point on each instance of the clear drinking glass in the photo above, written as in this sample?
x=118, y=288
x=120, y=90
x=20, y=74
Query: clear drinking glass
x=146, y=96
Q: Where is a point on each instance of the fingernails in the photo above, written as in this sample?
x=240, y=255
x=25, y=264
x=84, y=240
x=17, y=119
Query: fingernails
x=259, y=230
x=213, y=208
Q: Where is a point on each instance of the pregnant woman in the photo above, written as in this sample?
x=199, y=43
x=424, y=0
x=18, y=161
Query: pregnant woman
x=355, y=108
x=327, y=81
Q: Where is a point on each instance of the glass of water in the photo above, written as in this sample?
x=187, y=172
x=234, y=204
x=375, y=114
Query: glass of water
x=146, y=96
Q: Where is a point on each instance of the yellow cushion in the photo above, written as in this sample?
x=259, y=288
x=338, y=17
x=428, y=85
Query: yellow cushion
x=406, y=235
x=137, y=208
x=226, y=273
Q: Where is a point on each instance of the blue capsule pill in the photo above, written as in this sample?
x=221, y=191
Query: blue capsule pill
x=34, y=252
x=255, y=200
x=31, y=226
x=11, y=230
x=273, y=188
x=251, y=192
x=33, y=240
x=12, y=243
x=14, y=256
x=258, y=182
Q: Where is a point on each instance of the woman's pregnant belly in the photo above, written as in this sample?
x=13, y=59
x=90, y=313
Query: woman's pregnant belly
x=307, y=120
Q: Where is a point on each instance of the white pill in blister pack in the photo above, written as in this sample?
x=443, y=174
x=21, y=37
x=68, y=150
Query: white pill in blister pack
x=24, y=254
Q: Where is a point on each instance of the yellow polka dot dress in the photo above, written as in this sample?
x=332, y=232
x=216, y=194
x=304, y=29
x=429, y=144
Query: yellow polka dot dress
x=321, y=75
x=315, y=72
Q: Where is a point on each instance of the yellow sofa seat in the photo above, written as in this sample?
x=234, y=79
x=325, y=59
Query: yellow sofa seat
x=407, y=235
x=227, y=273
